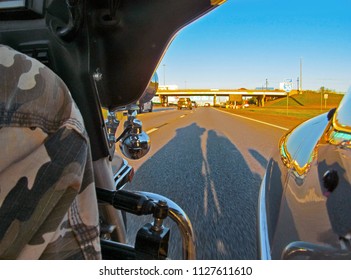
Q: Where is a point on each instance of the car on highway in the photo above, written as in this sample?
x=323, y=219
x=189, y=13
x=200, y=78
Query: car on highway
x=304, y=209
x=207, y=104
x=184, y=103
x=194, y=104
x=146, y=107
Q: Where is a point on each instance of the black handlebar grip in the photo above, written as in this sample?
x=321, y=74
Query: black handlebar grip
x=127, y=201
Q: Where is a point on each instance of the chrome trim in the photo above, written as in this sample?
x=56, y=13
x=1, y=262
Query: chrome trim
x=183, y=222
x=342, y=116
x=150, y=90
x=217, y=2
x=263, y=238
x=111, y=124
x=304, y=250
x=120, y=176
x=134, y=143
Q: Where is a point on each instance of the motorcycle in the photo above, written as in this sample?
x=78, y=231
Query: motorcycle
x=106, y=52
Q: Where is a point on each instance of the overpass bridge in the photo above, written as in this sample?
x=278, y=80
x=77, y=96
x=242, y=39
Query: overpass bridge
x=233, y=94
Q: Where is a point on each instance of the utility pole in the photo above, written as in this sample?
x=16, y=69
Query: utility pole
x=300, y=86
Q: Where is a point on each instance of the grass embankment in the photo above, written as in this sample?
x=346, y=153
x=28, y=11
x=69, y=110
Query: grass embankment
x=296, y=109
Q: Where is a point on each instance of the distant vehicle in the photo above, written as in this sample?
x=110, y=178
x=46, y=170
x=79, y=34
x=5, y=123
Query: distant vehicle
x=194, y=104
x=207, y=104
x=184, y=103
x=305, y=197
x=245, y=106
x=146, y=107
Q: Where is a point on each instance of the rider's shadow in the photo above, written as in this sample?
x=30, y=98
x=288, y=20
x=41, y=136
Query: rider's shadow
x=207, y=176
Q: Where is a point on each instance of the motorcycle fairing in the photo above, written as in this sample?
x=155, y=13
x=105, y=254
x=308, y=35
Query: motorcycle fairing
x=141, y=32
x=105, y=51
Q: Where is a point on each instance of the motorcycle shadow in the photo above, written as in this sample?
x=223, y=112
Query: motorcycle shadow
x=204, y=173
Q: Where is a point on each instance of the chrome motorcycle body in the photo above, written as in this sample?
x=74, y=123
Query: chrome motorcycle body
x=106, y=52
x=304, y=203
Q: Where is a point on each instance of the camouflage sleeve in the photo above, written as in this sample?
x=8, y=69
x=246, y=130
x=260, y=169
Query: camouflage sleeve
x=48, y=205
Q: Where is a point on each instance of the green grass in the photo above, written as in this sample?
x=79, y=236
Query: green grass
x=305, y=113
x=310, y=100
x=306, y=105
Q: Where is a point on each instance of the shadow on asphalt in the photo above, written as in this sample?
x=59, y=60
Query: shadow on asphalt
x=207, y=176
x=260, y=158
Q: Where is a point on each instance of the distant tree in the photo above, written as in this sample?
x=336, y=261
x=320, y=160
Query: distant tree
x=252, y=101
x=323, y=90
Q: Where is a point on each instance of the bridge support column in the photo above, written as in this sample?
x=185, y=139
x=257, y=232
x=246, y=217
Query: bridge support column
x=164, y=99
x=261, y=100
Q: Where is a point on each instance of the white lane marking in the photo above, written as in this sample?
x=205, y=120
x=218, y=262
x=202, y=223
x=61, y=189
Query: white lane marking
x=266, y=123
x=209, y=186
x=182, y=116
x=151, y=130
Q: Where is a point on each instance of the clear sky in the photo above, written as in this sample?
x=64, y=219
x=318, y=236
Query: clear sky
x=244, y=42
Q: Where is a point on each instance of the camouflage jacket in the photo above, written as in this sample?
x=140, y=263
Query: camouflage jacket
x=48, y=206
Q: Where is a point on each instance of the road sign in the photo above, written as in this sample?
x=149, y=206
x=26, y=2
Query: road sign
x=288, y=85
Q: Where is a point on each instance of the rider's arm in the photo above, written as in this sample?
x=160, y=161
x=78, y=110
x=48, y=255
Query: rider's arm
x=48, y=206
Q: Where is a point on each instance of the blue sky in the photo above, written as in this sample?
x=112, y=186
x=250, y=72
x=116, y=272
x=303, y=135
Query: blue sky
x=244, y=42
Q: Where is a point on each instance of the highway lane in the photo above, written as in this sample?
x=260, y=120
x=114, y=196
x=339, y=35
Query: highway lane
x=211, y=164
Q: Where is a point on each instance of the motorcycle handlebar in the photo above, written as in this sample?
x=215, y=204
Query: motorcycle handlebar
x=178, y=215
x=143, y=203
x=127, y=201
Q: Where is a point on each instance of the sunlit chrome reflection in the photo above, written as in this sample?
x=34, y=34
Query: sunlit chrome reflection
x=183, y=222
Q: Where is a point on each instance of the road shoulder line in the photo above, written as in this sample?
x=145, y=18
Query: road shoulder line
x=273, y=125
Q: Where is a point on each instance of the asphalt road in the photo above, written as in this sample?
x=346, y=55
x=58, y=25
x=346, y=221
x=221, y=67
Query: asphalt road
x=210, y=163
